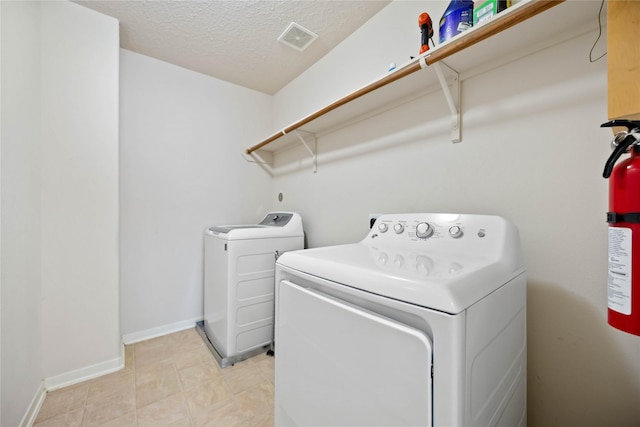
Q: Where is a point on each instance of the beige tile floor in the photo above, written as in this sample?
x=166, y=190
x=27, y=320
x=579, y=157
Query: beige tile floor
x=168, y=381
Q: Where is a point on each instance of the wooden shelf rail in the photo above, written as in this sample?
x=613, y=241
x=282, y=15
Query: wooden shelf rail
x=495, y=26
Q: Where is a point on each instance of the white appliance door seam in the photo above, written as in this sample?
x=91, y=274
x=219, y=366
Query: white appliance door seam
x=321, y=341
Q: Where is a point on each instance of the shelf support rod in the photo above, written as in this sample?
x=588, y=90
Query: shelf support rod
x=312, y=153
x=452, y=95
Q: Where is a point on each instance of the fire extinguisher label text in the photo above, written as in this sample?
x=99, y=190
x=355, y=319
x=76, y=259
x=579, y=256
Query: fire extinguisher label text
x=619, y=281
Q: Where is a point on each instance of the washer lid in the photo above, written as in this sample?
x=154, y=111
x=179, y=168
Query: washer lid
x=445, y=283
x=228, y=228
x=274, y=224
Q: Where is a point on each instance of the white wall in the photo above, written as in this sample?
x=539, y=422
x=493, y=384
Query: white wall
x=79, y=98
x=59, y=200
x=181, y=171
x=392, y=35
x=21, y=359
x=532, y=151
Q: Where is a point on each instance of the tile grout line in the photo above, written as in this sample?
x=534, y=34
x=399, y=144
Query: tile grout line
x=181, y=385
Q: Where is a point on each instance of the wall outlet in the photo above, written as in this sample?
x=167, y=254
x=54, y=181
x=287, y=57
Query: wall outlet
x=372, y=219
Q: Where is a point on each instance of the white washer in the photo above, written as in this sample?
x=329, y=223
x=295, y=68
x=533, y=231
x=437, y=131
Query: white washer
x=422, y=323
x=239, y=283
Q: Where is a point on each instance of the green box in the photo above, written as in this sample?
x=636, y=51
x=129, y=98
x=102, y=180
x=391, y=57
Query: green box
x=484, y=10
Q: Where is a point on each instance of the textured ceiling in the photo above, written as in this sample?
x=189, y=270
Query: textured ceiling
x=235, y=40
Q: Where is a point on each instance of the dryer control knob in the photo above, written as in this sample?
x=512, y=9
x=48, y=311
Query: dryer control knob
x=383, y=227
x=455, y=232
x=398, y=228
x=424, y=230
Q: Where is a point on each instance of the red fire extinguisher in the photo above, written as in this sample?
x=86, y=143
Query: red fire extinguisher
x=624, y=228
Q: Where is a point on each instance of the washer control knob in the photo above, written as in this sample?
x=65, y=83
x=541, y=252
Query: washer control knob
x=455, y=232
x=424, y=230
x=398, y=228
x=383, y=227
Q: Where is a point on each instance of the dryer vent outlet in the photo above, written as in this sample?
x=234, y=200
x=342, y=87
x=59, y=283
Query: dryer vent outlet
x=297, y=37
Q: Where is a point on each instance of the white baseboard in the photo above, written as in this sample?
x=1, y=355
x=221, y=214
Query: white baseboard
x=160, y=331
x=34, y=407
x=84, y=374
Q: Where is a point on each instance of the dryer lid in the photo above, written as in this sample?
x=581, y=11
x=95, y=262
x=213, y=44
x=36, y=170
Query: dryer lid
x=442, y=272
x=445, y=284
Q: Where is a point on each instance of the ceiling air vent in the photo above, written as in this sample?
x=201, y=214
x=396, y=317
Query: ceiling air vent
x=297, y=37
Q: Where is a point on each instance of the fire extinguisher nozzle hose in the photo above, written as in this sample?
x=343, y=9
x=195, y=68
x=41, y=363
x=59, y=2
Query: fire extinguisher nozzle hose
x=628, y=141
x=613, y=158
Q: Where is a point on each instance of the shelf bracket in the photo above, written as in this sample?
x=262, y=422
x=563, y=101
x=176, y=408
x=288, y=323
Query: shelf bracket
x=450, y=82
x=312, y=152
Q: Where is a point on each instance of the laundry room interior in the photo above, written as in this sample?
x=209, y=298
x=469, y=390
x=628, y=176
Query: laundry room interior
x=114, y=163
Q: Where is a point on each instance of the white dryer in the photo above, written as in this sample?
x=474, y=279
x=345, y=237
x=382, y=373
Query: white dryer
x=239, y=263
x=422, y=323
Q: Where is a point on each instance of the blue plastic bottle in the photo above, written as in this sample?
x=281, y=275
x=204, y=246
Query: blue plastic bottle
x=457, y=18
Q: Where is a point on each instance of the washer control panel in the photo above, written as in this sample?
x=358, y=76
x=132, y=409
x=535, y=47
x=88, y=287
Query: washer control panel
x=276, y=219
